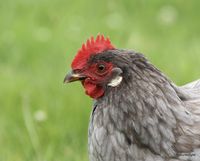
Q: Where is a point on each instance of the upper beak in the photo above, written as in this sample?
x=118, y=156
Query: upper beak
x=71, y=77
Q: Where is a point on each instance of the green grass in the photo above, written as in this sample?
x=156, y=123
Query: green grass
x=38, y=40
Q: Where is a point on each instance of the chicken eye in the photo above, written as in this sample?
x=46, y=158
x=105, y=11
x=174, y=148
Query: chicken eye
x=101, y=68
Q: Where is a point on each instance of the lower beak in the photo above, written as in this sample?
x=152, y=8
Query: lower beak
x=71, y=77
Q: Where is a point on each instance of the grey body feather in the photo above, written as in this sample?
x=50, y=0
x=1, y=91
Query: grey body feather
x=146, y=117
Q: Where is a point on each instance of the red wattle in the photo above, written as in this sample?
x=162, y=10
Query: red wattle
x=92, y=89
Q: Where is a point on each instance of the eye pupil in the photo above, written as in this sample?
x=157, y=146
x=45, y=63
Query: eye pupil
x=101, y=67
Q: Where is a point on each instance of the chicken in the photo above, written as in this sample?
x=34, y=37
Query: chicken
x=138, y=114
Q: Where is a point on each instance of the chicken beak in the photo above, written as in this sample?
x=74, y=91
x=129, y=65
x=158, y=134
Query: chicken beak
x=71, y=77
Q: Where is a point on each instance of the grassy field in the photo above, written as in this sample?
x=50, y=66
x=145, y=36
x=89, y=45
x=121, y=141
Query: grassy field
x=43, y=120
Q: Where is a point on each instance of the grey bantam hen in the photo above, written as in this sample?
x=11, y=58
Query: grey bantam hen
x=138, y=114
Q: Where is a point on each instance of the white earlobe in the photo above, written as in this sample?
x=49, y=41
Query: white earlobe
x=115, y=82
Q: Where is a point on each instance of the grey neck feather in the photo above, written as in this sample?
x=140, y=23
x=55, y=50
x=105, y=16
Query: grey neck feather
x=147, y=109
x=145, y=97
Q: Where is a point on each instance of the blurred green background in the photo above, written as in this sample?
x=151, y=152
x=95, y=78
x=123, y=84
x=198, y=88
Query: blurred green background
x=43, y=120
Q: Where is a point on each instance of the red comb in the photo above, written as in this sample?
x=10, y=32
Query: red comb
x=91, y=47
